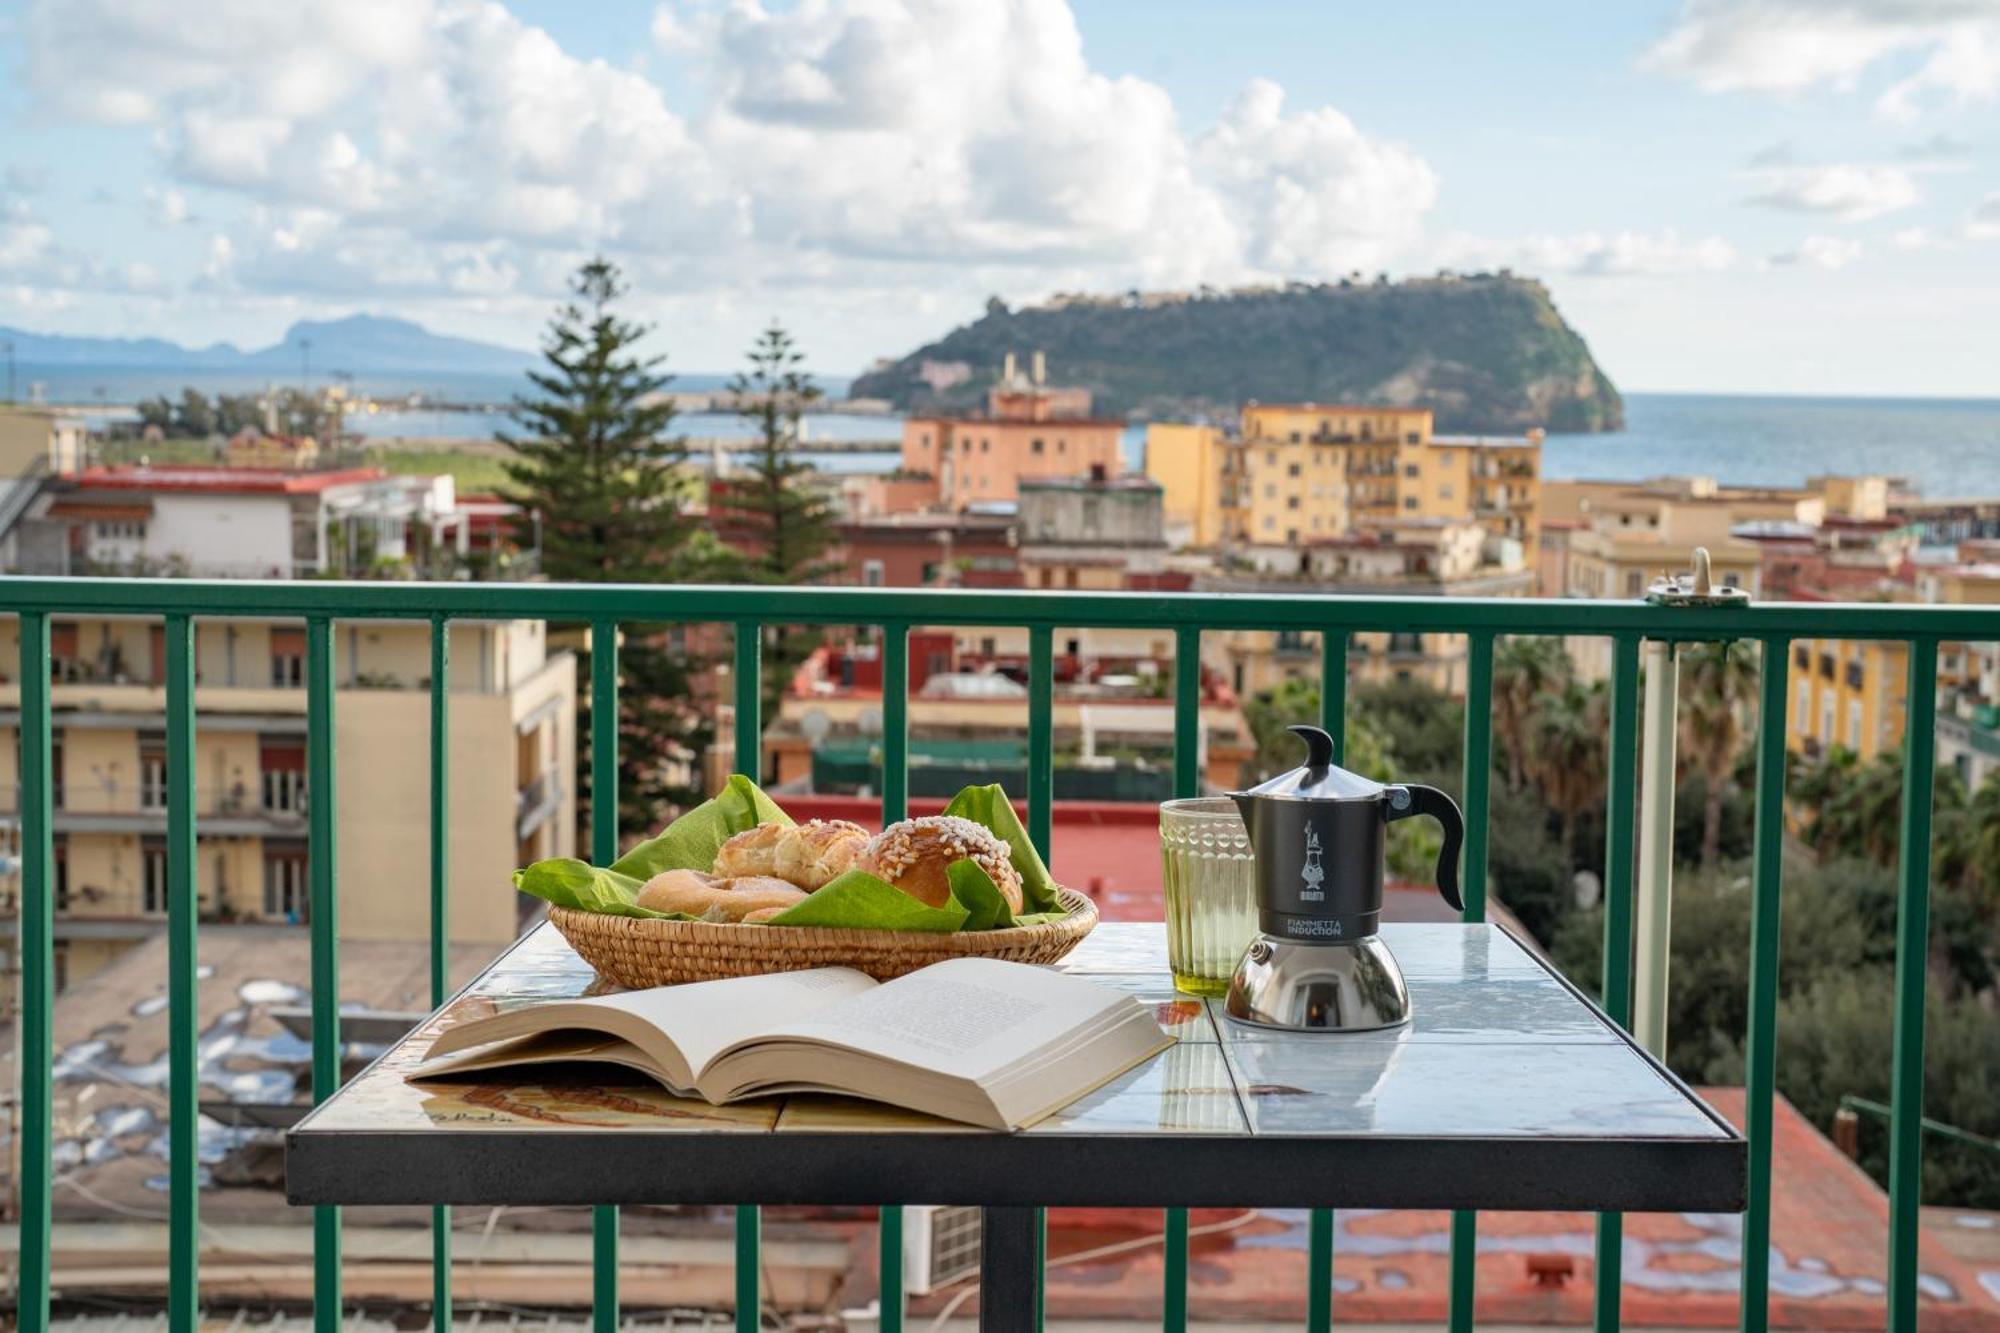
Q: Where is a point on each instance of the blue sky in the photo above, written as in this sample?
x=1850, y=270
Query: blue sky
x=1732, y=195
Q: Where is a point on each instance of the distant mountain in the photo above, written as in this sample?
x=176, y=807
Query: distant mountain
x=1487, y=352
x=358, y=343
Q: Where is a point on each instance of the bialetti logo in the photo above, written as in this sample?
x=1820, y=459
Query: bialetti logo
x=1314, y=874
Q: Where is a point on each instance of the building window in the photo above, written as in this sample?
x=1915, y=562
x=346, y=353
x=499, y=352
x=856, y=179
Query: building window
x=1062, y=445
x=60, y=872
x=1409, y=502
x=965, y=445
x=288, y=658
x=1293, y=470
x=153, y=878
x=1444, y=491
x=1270, y=490
x=1297, y=437
x=55, y=771
x=1271, y=458
x=1410, y=437
x=283, y=765
x=1804, y=709
x=1035, y=446
x=1854, y=725
x=1270, y=523
x=1410, y=469
x=986, y=446
x=120, y=531
x=1634, y=582
x=1826, y=717
x=285, y=893
x=153, y=776
x=872, y=573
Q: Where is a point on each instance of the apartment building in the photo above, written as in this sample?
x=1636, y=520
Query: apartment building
x=1407, y=557
x=1031, y=429
x=1298, y=472
x=513, y=748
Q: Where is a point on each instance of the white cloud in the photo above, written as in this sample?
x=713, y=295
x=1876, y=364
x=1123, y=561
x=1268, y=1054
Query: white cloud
x=1851, y=192
x=446, y=146
x=40, y=269
x=1827, y=252
x=168, y=207
x=1787, y=47
x=1984, y=222
x=1593, y=254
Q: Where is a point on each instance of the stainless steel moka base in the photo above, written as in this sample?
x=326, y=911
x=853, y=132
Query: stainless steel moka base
x=1350, y=987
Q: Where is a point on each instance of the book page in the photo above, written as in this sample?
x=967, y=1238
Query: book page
x=696, y=1021
x=707, y=1017
x=968, y=1018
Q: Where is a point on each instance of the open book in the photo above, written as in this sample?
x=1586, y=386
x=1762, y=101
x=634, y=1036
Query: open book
x=975, y=1039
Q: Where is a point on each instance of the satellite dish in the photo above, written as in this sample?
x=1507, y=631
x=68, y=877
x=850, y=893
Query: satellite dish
x=815, y=725
x=869, y=721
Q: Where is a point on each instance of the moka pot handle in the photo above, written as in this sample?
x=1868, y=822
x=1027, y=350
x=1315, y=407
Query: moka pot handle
x=1406, y=799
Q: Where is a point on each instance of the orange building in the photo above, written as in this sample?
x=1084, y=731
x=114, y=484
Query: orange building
x=1033, y=430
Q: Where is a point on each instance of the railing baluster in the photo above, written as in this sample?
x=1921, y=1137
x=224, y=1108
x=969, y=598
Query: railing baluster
x=1621, y=763
x=1320, y=1222
x=325, y=931
x=440, y=921
x=1912, y=953
x=603, y=851
x=895, y=806
x=1478, y=760
x=1760, y=1054
x=1187, y=782
x=749, y=761
x=1041, y=736
x=37, y=945
x=183, y=1072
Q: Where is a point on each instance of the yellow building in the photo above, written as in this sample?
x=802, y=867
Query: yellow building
x=1298, y=472
x=1849, y=694
x=513, y=749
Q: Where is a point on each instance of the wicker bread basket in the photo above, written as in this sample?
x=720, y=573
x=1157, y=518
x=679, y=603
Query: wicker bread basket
x=652, y=951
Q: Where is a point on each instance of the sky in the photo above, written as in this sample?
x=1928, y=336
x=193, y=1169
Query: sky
x=1788, y=196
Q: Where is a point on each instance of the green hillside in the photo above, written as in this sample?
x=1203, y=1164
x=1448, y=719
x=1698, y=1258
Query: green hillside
x=1486, y=352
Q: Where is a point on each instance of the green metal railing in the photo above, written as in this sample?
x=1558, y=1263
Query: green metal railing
x=749, y=610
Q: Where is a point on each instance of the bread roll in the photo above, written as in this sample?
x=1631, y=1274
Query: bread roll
x=914, y=854
x=808, y=855
x=711, y=899
x=687, y=891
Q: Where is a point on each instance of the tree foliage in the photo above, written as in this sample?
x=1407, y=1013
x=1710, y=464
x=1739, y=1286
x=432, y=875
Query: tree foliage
x=777, y=502
x=597, y=477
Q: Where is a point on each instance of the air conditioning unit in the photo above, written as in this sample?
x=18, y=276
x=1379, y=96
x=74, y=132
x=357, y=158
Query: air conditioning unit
x=940, y=1246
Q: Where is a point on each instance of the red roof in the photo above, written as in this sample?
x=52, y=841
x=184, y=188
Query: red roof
x=221, y=480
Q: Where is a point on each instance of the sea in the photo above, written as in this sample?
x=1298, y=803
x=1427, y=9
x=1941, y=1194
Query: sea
x=1943, y=447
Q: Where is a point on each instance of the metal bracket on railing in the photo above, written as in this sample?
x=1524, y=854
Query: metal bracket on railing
x=1695, y=588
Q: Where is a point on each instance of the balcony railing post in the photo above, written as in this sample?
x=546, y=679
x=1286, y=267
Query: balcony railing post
x=1654, y=917
x=749, y=761
x=1041, y=737
x=1478, y=776
x=183, y=1071
x=1906, y=1134
x=603, y=851
x=325, y=932
x=1760, y=1054
x=895, y=806
x=1320, y=1222
x=1621, y=765
x=1187, y=782
x=440, y=831
x=35, y=1161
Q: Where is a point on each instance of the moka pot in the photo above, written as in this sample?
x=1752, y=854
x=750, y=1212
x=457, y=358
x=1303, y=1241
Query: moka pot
x=1318, y=836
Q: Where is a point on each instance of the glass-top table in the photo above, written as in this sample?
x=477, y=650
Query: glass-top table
x=1508, y=1090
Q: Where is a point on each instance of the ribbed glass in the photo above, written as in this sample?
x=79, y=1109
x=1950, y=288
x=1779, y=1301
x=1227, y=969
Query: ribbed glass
x=1206, y=865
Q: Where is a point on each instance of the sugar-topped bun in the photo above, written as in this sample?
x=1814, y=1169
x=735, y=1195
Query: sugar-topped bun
x=913, y=856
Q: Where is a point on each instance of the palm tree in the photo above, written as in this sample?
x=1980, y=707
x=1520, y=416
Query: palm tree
x=1569, y=759
x=1524, y=669
x=1717, y=684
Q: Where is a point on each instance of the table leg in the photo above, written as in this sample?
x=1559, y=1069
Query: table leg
x=1009, y=1286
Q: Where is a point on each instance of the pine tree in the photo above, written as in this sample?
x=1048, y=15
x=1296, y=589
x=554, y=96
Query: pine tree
x=599, y=481
x=779, y=502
